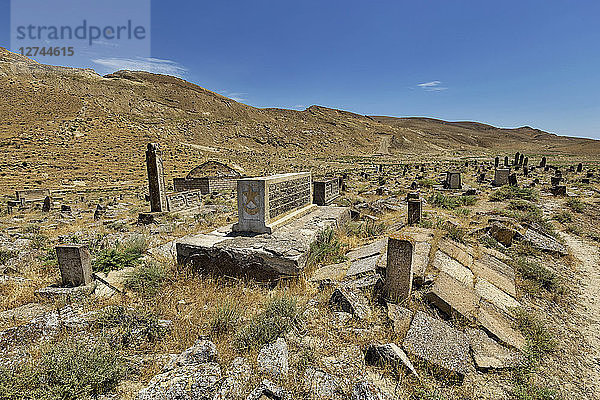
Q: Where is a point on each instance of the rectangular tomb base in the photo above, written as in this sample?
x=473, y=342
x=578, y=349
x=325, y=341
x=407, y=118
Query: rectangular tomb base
x=283, y=253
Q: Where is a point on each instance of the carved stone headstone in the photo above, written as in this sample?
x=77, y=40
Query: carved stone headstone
x=501, y=177
x=47, y=204
x=156, y=179
x=516, y=162
x=512, y=180
x=496, y=162
x=75, y=264
x=543, y=162
x=414, y=211
x=579, y=167
x=453, y=180
x=399, y=274
x=506, y=161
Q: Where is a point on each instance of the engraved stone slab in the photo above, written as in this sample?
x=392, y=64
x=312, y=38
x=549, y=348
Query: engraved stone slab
x=325, y=191
x=399, y=272
x=75, y=265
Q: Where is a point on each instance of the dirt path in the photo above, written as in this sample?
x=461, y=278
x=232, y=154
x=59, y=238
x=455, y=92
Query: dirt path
x=588, y=305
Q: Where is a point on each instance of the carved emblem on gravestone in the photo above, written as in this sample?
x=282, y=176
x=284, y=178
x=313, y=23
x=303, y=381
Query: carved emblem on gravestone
x=250, y=196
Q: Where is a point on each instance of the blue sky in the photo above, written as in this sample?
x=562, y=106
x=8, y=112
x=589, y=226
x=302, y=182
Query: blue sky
x=507, y=63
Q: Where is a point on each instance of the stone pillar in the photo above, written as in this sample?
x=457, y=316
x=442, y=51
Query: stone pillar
x=74, y=263
x=521, y=159
x=506, y=161
x=579, y=167
x=47, y=204
x=399, y=273
x=156, y=179
x=414, y=211
x=526, y=161
x=496, y=162
x=516, y=158
x=543, y=162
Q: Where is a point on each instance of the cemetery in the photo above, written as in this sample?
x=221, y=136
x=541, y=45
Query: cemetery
x=412, y=266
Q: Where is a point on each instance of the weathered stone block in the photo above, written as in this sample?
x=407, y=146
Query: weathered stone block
x=501, y=177
x=399, y=272
x=451, y=296
x=325, y=191
x=75, y=264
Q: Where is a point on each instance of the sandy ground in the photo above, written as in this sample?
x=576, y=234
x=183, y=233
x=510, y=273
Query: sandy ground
x=588, y=308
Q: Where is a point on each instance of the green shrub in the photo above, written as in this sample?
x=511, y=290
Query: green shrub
x=538, y=275
x=425, y=182
x=39, y=241
x=365, y=229
x=6, y=255
x=225, y=318
x=122, y=256
x=128, y=325
x=514, y=192
x=146, y=278
x=67, y=370
x=450, y=202
x=326, y=249
x=576, y=205
x=524, y=205
x=539, y=339
x=280, y=316
x=563, y=217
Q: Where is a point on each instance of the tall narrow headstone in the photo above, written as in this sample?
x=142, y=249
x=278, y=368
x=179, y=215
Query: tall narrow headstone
x=399, y=273
x=506, y=161
x=543, y=162
x=579, y=167
x=526, y=161
x=496, y=162
x=414, y=211
x=521, y=159
x=516, y=161
x=156, y=179
x=75, y=265
x=47, y=204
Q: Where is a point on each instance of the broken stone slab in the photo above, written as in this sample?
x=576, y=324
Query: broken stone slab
x=203, y=351
x=236, y=379
x=499, y=325
x=451, y=296
x=66, y=294
x=388, y=354
x=321, y=385
x=438, y=343
x=502, y=233
x=365, y=390
x=352, y=301
x=272, y=359
x=330, y=273
x=24, y=313
x=421, y=252
x=401, y=318
x=495, y=296
x=370, y=250
x=443, y=262
x=496, y=272
x=370, y=285
x=263, y=256
x=488, y=354
x=362, y=266
x=544, y=242
x=267, y=390
x=457, y=251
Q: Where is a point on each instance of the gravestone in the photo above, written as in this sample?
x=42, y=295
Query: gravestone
x=512, y=180
x=555, y=180
x=521, y=159
x=47, y=204
x=399, y=274
x=415, y=207
x=265, y=202
x=156, y=179
x=506, y=161
x=75, y=264
x=496, y=162
x=453, y=180
x=525, y=161
x=325, y=191
x=559, y=190
x=543, y=162
x=501, y=177
x=579, y=167
x=516, y=162
x=481, y=177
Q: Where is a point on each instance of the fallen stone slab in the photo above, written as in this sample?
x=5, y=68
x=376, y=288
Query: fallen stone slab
x=438, y=343
x=388, y=354
x=544, y=242
x=24, y=313
x=496, y=272
x=267, y=390
x=236, y=379
x=443, y=262
x=352, y=301
x=488, y=354
x=495, y=296
x=457, y=251
x=361, y=267
x=365, y=390
x=420, y=261
x=451, y=296
x=370, y=285
x=66, y=294
x=321, y=385
x=499, y=325
x=330, y=273
x=370, y=250
x=261, y=256
x=401, y=318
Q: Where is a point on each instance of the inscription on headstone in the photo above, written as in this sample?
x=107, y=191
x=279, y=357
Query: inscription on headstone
x=74, y=263
x=325, y=191
x=501, y=177
x=399, y=273
x=156, y=179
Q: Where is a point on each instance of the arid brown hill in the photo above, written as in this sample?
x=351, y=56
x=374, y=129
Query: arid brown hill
x=62, y=126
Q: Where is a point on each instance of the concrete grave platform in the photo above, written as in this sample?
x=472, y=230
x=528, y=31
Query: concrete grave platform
x=283, y=253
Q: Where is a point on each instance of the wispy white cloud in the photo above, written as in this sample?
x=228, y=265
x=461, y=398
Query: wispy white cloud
x=149, y=64
x=237, y=96
x=433, y=86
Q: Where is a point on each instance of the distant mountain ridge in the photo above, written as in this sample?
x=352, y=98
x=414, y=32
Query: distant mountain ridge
x=62, y=124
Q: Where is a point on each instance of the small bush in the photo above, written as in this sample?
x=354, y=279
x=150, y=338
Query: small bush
x=365, y=229
x=455, y=232
x=425, y=182
x=514, y=192
x=563, y=217
x=122, y=256
x=146, y=278
x=280, y=316
x=538, y=275
x=225, y=318
x=39, y=241
x=576, y=205
x=6, y=255
x=462, y=212
x=524, y=205
x=67, y=370
x=128, y=325
x=326, y=249
x=450, y=202
x=539, y=339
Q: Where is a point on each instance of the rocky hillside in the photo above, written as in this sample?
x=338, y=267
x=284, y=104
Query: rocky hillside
x=66, y=126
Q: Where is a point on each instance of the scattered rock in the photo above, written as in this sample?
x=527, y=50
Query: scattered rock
x=352, y=301
x=273, y=359
x=388, y=354
x=487, y=353
x=267, y=390
x=401, y=318
x=320, y=385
